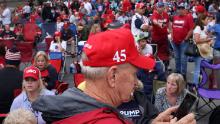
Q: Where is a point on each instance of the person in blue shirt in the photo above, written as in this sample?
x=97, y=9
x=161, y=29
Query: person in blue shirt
x=216, y=52
x=32, y=88
x=216, y=31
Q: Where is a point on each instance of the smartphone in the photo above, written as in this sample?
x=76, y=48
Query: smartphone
x=186, y=105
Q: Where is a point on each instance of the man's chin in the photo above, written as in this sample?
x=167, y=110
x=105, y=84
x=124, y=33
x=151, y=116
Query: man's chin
x=130, y=98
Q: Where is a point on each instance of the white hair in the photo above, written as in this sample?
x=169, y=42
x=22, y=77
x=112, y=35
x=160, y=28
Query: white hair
x=20, y=116
x=92, y=72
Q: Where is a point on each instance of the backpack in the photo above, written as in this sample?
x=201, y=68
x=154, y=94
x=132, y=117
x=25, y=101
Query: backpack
x=215, y=116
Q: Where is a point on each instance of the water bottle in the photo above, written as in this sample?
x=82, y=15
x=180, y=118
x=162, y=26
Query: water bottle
x=72, y=68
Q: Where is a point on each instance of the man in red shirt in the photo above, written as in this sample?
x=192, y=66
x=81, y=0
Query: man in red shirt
x=182, y=28
x=160, y=20
x=126, y=5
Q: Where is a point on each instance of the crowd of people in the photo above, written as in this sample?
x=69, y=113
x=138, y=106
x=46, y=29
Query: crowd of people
x=128, y=44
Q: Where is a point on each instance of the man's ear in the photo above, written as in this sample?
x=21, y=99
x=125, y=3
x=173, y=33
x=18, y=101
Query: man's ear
x=111, y=76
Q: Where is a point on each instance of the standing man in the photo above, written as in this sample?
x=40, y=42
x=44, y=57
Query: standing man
x=182, y=28
x=109, y=64
x=10, y=79
x=87, y=6
x=5, y=15
x=68, y=36
x=26, y=10
x=139, y=22
x=160, y=20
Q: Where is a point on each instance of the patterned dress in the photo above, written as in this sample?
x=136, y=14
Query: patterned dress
x=161, y=101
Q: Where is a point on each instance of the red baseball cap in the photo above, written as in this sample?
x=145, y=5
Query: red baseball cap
x=57, y=33
x=32, y=72
x=139, y=5
x=200, y=9
x=65, y=25
x=114, y=47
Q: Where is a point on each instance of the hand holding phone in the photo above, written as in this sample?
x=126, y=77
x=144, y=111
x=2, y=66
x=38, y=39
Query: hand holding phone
x=186, y=105
x=165, y=117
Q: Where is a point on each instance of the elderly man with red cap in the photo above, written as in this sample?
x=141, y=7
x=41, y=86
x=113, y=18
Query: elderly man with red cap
x=109, y=64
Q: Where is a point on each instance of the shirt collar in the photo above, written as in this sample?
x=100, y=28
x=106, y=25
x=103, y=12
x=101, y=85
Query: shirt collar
x=138, y=15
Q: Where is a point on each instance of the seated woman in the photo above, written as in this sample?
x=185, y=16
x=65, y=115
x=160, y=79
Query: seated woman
x=172, y=94
x=49, y=73
x=18, y=30
x=95, y=28
x=57, y=45
x=32, y=88
x=7, y=33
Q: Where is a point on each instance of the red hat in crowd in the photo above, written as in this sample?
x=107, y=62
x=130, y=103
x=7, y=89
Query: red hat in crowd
x=114, y=47
x=57, y=33
x=39, y=32
x=65, y=25
x=200, y=9
x=58, y=18
x=32, y=72
x=139, y=5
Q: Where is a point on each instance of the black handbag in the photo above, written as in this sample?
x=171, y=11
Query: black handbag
x=192, y=49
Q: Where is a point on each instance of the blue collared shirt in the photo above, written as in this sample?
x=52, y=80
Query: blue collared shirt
x=21, y=101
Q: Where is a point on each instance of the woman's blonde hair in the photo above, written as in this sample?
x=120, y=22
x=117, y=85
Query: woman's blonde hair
x=179, y=80
x=20, y=116
x=41, y=53
x=94, y=27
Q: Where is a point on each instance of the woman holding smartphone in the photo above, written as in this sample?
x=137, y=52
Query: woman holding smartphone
x=172, y=94
x=57, y=45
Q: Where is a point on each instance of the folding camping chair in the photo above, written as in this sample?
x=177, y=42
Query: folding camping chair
x=77, y=79
x=80, y=46
x=207, y=95
x=58, y=61
x=61, y=88
x=26, y=49
x=160, y=72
